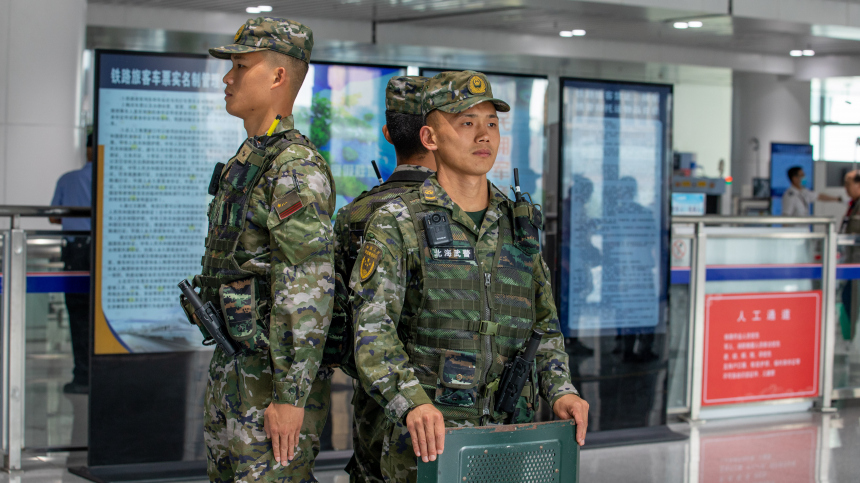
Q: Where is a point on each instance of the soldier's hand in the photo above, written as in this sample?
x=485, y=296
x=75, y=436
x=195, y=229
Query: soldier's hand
x=427, y=427
x=283, y=425
x=571, y=406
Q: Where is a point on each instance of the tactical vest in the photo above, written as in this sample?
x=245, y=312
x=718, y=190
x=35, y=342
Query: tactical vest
x=243, y=297
x=470, y=321
x=339, y=347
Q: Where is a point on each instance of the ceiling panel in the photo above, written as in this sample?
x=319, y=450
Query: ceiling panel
x=548, y=17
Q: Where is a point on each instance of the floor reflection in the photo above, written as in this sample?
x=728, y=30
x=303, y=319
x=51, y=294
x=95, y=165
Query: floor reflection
x=792, y=448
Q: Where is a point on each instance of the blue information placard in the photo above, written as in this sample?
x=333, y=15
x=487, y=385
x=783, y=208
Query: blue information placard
x=688, y=203
x=615, y=207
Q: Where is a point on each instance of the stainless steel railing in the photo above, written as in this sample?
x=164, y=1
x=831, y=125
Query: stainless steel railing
x=696, y=315
x=12, y=323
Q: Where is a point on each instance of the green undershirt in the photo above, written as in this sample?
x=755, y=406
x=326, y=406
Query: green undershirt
x=477, y=216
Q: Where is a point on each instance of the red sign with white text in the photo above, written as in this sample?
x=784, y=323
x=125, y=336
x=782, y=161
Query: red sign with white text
x=761, y=346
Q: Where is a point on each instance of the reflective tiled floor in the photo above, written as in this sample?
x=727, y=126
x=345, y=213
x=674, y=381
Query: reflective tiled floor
x=801, y=448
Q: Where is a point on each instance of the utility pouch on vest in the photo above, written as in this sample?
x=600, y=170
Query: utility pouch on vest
x=238, y=306
x=459, y=375
x=528, y=222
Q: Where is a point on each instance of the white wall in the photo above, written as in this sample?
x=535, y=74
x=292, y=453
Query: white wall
x=703, y=124
x=40, y=136
x=769, y=108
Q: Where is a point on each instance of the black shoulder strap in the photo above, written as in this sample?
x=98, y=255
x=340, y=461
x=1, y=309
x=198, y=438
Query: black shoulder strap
x=408, y=176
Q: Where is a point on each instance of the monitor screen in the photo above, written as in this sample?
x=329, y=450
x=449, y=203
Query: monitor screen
x=161, y=127
x=688, y=203
x=784, y=156
x=614, y=213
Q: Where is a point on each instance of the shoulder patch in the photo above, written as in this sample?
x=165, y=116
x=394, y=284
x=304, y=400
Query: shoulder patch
x=429, y=193
x=370, y=257
x=288, y=204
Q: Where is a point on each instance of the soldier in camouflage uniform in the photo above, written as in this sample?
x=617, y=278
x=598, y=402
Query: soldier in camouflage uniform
x=436, y=321
x=415, y=163
x=269, y=266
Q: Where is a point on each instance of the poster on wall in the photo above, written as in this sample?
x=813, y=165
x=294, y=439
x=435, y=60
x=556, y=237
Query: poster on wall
x=522, y=144
x=614, y=208
x=160, y=128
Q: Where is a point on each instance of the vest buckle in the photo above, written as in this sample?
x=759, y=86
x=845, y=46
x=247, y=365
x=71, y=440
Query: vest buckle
x=489, y=328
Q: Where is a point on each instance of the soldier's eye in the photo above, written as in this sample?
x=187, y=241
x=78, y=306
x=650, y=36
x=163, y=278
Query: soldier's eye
x=467, y=123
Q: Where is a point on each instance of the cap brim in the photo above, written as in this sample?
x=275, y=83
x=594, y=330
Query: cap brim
x=470, y=102
x=226, y=51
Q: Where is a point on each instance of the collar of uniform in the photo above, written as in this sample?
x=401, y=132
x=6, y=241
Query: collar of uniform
x=287, y=123
x=432, y=193
x=411, y=167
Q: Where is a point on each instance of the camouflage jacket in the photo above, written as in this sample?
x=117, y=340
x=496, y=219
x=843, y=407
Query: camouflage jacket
x=392, y=293
x=293, y=256
x=349, y=228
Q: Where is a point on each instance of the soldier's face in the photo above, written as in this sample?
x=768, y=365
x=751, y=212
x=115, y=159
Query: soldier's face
x=248, y=85
x=467, y=142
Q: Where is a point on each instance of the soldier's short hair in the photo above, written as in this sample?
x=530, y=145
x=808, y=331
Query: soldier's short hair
x=296, y=69
x=404, y=131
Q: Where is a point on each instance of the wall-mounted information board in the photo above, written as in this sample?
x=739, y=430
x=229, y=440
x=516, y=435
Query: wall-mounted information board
x=161, y=126
x=615, y=206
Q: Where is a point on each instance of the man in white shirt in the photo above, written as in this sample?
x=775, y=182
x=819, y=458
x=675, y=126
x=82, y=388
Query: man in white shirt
x=797, y=199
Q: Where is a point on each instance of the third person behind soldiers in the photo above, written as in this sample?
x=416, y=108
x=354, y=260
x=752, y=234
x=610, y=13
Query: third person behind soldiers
x=446, y=291
x=403, y=122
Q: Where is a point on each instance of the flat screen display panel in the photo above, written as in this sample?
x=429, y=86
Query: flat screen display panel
x=688, y=203
x=522, y=144
x=784, y=156
x=615, y=207
x=161, y=126
x=341, y=108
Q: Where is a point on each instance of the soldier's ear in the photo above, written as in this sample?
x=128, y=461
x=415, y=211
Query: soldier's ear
x=280, y=78
x=428, y=138
x=386, y=134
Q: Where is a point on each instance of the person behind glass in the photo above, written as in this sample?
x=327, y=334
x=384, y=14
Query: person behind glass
x=75, y=189
x=851, y=254
x=797, y=198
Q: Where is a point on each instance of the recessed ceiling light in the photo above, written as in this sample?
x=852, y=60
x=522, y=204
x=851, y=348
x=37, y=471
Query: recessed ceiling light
x=694, y=24
x=796, y=53
x=253, y=10
x=808, y=52
x=578, y=32
x=566, y=33
x=681, y=25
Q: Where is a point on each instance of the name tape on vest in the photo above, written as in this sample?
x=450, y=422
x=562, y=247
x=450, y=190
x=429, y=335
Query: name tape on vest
x=452, y=253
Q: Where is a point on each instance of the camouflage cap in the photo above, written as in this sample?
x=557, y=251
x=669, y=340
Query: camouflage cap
x=268, y=33
x=458, y=91
x=403, y=94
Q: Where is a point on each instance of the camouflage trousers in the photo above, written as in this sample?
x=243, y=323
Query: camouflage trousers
x=368, y=422
x=239, y=391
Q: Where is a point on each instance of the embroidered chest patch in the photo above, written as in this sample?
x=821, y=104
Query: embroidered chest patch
x=370, y=257
x=288, y=204
x=452, y=253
